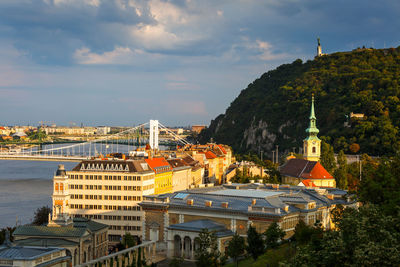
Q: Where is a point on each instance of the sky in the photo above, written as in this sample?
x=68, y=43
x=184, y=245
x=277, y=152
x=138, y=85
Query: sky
x=124, y=62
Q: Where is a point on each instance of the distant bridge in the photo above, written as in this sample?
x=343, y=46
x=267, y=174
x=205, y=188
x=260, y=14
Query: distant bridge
x=78, y=151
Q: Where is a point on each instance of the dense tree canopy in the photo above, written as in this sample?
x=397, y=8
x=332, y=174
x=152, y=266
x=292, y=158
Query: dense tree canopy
x=236, y=247
x=255, y=244
x=41, y=216
x=274, y=109
x=364, y=237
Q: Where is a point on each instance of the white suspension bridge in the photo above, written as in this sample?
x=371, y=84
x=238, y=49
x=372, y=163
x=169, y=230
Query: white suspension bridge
x=92, y=148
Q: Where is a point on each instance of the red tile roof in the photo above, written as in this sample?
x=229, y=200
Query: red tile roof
x=222, y=149
x=302, y=168
x=308, y=182
x=210, y=155
x=156, y=163
x=318, y=172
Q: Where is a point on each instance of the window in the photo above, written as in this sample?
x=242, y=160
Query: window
x=314, y=149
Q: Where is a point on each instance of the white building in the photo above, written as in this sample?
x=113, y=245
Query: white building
x=107, y=191
x=103, y=130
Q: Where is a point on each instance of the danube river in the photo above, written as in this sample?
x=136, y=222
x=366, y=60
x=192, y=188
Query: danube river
x=24, y=187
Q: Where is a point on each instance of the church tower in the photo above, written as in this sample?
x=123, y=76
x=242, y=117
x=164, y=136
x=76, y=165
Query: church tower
x=60, y=214
x=312, y=144
x=319, y=49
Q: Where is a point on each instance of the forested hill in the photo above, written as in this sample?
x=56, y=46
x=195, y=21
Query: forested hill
x=274, y=109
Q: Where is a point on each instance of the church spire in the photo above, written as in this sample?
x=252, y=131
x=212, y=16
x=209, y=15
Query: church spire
x=312, y=148
x=312, y=115
x=312, y=129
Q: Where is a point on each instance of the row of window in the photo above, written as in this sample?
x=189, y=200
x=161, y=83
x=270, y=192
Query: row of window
x=103, y=207
x=107, y=187
x=127, y=228
x=110, y=177
x=106, y=197
x=290, y=223
x=148, y=187
x=132, y=188
x=121, y=218
x=87, y=207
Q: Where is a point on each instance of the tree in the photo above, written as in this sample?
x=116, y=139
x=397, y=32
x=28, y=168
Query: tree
x=207, y=254
x=236, y=247
x=3, y=234
x=354, y=148
x=380, y=184
x=341, y=172
x=327, y=157
x=128, y=240
x=273, y=235
x=255, y=243
x=364, y=237
x=303, y=233
x=41, y=216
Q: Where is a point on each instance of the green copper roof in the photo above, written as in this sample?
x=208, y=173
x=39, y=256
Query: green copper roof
x=312, y=115
x=312, y=130
x=45, y=242
x=33, y=230
x=78, y=229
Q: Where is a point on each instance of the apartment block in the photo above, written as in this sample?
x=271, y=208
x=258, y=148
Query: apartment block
x=107, y=191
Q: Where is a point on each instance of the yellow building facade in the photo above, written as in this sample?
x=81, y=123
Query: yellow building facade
x=162, y=175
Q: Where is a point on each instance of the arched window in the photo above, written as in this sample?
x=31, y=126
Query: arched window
x=56, y=187
x=314, y=149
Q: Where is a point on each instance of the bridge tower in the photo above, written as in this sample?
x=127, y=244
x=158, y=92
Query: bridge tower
x=153, y=137
x=60, y=214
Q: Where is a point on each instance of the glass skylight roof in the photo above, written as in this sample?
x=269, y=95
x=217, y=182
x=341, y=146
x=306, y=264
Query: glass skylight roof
x=181, y=195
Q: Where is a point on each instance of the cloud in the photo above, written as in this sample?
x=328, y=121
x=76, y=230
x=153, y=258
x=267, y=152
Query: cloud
x=120, y=55
x=95, y=3
x=266, y=51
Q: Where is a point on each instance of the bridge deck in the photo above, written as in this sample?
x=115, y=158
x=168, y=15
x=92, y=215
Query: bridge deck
x=42, y=158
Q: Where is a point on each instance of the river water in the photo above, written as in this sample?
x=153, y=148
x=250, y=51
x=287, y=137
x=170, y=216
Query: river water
x=27, y=185
x=24, y=187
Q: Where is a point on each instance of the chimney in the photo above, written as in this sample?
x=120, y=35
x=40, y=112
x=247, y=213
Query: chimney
x=330, y=196
x=224, y=205
x=253, y=201
x=208, y=203
x=189, y=202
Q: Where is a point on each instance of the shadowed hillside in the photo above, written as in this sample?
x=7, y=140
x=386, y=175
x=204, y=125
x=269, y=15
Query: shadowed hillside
x=274, y=109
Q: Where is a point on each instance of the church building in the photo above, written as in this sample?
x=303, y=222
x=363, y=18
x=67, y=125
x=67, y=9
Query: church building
x=308, y=171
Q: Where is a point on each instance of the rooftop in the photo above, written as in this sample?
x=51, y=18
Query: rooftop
x=124, y=166
x=253, y=193
x=156, y=163
x=25, y=253
x=199, y=225
x=306, y=169
x=79, y=228
x=253, y=198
